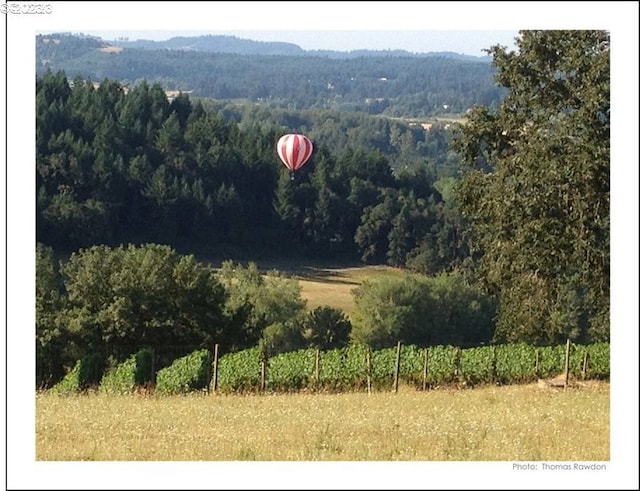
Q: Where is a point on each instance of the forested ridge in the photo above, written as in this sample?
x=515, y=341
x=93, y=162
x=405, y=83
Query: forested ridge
x=394, y=84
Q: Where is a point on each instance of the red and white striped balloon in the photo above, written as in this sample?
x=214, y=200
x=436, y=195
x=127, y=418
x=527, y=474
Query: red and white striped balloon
x=294, y=150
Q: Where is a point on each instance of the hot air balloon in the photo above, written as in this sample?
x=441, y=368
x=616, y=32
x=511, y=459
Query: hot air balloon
x=294, y=151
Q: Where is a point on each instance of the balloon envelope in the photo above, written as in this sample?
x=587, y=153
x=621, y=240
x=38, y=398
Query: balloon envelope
x=294, y=150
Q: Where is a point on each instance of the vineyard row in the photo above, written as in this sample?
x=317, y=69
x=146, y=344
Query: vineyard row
x=353, y=368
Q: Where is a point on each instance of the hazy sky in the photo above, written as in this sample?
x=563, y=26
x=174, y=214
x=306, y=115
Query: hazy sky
x=461, y=27
x=470, y=42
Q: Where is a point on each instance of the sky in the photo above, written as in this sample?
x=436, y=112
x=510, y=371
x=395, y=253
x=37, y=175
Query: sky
x=463, y=27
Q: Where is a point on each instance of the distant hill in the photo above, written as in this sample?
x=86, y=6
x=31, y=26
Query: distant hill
x=392, y=82
x=217, y=44
x=235, y=45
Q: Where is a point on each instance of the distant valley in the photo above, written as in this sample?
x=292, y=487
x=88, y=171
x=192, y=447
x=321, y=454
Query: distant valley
x=395, y=83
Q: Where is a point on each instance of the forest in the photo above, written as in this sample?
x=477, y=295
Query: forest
x=116, y=168
x=503, y=221
x=393, y=84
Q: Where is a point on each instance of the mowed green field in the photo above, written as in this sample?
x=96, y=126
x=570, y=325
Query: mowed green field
x=513, y=423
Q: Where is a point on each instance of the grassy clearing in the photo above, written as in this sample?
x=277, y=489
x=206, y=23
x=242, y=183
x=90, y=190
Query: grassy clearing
x=334, y=286
x=324, y=284
x=523, y=423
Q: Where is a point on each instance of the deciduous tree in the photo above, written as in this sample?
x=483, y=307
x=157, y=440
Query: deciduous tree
x=537, y=188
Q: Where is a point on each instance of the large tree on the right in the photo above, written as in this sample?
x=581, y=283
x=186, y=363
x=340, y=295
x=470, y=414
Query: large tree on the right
x=535, y=190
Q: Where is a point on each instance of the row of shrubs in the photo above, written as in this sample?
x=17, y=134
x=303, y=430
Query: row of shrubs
x=352, y=368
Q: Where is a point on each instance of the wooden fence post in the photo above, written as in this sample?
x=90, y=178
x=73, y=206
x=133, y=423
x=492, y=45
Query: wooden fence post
x=456, y=369
x=215, y=368
x=425, y=369
x=537, y=363
x=209, y=371
x=584, y=364
x=396, y=376
x=263, y=375
x=368, y=370
x=566, y=364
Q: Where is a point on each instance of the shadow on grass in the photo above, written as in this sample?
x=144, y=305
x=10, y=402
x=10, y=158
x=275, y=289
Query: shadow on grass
x=329, y=276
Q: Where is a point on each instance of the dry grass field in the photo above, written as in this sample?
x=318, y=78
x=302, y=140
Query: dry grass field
x=334, y=286
x=511, y=423
x=323, y=284
x=516, y=423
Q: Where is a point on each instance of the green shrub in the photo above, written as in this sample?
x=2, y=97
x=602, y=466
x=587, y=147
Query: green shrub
x=516, y=363
x=85, y=374
x=411, y=364
x=599, y=362
x=382, y=367
x=344, y=369
x=552, y=360
x=125, y=377
x=478, y=365
x=292, y=371
x=186, y=374
x=442, y=364
x=240, y=371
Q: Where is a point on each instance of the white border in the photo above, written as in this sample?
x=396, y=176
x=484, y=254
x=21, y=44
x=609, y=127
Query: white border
x=621, y=18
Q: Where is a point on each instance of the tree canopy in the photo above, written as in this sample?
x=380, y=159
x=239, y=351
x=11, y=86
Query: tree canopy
x=537, y=188
x=118, y=166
